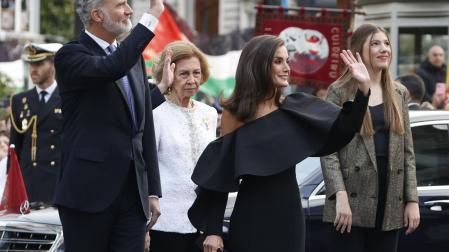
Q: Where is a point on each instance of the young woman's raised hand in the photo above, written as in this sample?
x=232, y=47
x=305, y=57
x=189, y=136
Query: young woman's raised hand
x=357, y=69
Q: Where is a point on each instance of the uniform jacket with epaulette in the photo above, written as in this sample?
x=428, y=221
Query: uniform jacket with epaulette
x=40, y=174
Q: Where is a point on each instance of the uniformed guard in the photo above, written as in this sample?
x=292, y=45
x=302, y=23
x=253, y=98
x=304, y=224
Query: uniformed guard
x=36, y=118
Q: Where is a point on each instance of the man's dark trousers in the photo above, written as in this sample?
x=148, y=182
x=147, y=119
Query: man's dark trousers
x=125, y=213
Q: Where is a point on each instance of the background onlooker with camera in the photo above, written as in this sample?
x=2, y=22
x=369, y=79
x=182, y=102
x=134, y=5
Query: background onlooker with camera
x=433, y=71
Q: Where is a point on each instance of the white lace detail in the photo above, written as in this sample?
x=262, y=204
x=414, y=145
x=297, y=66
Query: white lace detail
x=181, y=136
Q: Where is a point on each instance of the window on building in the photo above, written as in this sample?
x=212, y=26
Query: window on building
x=206, y=18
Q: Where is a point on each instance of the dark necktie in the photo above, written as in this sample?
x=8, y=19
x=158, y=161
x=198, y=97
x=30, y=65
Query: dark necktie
x=43, y=93
x=127, y=88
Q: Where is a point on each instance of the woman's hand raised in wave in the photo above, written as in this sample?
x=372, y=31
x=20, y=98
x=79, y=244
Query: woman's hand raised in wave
x=168, y=73
x=357, y=69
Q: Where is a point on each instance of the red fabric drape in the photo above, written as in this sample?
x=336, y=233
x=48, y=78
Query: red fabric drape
x=15, y=198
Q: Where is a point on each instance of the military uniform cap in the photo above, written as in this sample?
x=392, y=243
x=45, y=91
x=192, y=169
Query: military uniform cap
x=37, y=52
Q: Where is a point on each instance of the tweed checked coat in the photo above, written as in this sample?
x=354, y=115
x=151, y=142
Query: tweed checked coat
x=354, y=169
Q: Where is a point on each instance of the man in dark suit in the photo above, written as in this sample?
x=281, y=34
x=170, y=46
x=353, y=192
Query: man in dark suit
x=432, y=71
x=36, y=124
x=109, y=182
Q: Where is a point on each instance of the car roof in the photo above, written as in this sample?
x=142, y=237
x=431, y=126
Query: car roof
x=417, y=116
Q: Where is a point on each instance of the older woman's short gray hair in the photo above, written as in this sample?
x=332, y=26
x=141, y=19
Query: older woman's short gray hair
x=84, y=7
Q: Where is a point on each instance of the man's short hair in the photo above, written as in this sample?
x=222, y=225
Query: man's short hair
x=83, y=9
x=414, y=84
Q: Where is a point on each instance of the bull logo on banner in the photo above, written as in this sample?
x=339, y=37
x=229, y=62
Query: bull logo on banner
x=314, y=40
x=308, y=49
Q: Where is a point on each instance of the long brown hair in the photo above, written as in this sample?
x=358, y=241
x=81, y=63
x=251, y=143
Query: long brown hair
x=392, y=112
x=253, y=79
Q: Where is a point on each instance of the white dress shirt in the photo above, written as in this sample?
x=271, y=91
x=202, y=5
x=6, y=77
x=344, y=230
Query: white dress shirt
x=49, y=91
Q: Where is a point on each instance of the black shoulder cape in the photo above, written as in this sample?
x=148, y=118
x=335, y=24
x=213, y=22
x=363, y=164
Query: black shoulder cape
x=303, y=126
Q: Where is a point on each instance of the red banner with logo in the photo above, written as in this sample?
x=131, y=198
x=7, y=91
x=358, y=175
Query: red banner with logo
x=314, y=40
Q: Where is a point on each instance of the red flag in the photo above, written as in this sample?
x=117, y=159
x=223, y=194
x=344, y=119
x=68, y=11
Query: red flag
x=14, y=199
x=166, y=31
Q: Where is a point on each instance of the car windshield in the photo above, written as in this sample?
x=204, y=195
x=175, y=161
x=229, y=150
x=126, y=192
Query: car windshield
x=305, y=169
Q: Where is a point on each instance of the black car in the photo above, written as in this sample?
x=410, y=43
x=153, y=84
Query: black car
x=430, y=130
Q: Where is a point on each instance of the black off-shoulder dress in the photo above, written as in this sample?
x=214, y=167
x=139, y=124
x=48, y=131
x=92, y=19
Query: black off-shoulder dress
x=258, y=160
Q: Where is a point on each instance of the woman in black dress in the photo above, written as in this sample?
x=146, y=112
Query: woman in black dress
x=264, y=136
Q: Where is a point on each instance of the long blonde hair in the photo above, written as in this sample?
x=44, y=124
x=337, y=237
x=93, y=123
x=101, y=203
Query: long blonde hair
x=392, y=112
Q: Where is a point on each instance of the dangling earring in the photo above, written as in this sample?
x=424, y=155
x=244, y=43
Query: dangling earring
x=168, y=91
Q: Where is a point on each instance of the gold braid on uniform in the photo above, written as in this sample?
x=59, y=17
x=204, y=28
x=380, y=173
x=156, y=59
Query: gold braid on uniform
x=33, y=121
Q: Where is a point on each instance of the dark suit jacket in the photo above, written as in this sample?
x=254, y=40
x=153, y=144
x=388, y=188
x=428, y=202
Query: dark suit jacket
x=99, y=142
x=39, y=175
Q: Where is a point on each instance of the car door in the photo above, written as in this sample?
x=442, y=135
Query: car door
x=312, y=197
x=431, y=145
x=316, y=230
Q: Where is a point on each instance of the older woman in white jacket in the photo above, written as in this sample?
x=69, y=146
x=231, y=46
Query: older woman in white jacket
x=183, y=129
